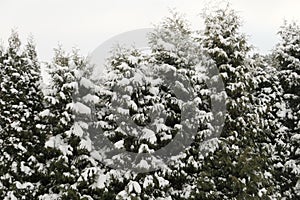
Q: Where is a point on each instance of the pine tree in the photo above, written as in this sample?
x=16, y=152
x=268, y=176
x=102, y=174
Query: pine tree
x=22, y=138
x=287, y=55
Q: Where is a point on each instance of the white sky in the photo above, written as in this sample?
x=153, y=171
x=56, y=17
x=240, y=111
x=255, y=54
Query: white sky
x=86, y=24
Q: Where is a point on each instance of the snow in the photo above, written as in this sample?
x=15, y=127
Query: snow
x=124, y=66
x=294, y=166
x=134, y=186
x=86, y=144
x=21, y=147
x=14, y=166
x=16, y=126
x=148, y=182
x=165, y=136
x=13, y=91
x=296, y=137
x=296, y=170
x=122, y=195
x=124, y=82
x=91, y=98
x=132, y=105
x=49, y=197
x=88, y=172
x=138, y=78
x=40, y=126
x=187, y=190
x=52, y=141
x=165, y=45
x=88, y=84
x=119, y=144
x=154, y=90
x=165, y=198
x=78, y=129
x=10, y=196
x=101, y=181
x=16, y=74
x=297, y=187
x=52, y=100
x=212, y=144
x=282, y=112
x=133, y=59
x=87, y=197
x=57, y=142
x=24, y=185
x=73, y=85
x=161, y=181
x=143, y=164
x=144, y=148
x=149, y=135
x=25, y=169
x=262, y=191
x=161, y=127
x=268, y=175
x=62, y=95
x=80, y=108
x=123, y=111
x=96, y=155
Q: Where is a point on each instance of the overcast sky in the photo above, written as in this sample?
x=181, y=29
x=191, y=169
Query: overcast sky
x=86, y=24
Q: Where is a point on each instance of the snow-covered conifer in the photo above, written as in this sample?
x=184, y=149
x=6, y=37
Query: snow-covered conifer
x=21, y=134
x=287, y=55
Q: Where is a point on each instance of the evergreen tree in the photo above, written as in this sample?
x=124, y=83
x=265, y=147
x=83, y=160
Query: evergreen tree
x=128, y=113
x=70, y=168
x=270, y=106
x=173, y=43
x=142, y=88
x=287, y=55
x=153, y=105
x=235, y=170
x=22, y=138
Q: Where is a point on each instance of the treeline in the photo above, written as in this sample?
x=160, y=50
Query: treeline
x=141, y=104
